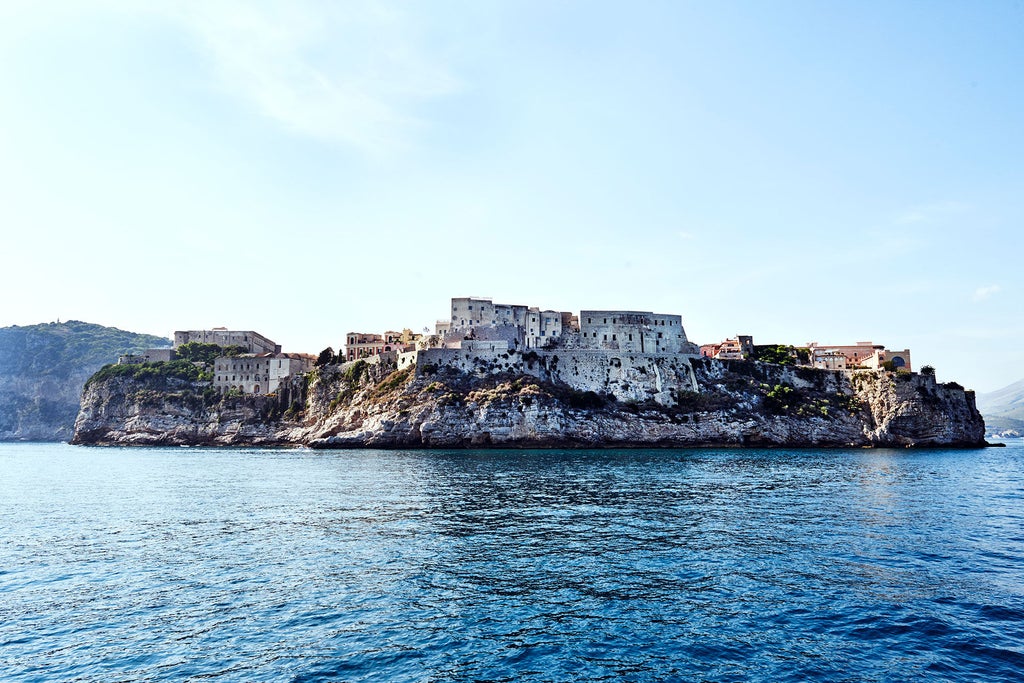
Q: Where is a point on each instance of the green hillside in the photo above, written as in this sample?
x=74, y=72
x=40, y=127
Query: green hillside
x=44, y=367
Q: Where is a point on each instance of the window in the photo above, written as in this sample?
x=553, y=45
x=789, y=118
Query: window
x=605, y=337
x=613, y=337
x=630, y=337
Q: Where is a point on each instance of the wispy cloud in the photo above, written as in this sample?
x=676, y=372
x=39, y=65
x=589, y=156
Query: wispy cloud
x=927, y=213
x=982, y=293
x=349, y=73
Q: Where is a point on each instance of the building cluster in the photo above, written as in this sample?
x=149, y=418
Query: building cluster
x=856, y=356
x=862, y=355
x=260, y=370
x=520, y=327
x=480, y=326
x=366, y=344
x=732, y=348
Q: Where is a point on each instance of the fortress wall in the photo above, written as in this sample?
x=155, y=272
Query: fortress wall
x=627, y=376
x=632, y=331
x=481, y=360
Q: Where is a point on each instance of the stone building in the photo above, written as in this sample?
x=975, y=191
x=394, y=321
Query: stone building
x=253, y=341
x=147, y=356
x=633, y=331
x=258, y=373
x=827, y=359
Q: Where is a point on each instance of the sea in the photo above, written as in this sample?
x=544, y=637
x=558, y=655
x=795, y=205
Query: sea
x=237, y=564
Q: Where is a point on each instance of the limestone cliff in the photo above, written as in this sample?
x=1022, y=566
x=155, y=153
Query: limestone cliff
x=168, y=411
x=731, y=403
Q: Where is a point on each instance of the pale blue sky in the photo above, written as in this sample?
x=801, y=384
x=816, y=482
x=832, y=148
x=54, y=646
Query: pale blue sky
x=824, y=171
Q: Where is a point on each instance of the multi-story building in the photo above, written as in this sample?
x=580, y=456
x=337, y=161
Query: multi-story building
x=855, y=354
x=363, y=344
x=253, y=341
x=827, y=359
x=900, y=360
x=258, y=373
x=863, y=355
x=732, y=348
x=633, y=331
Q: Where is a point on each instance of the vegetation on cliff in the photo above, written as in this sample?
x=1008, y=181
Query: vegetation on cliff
x=151, y=373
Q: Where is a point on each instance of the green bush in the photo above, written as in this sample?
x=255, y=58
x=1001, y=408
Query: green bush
x=356, y=371
x=153, y=373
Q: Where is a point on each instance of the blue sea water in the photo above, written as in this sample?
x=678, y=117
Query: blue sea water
x=652, y=565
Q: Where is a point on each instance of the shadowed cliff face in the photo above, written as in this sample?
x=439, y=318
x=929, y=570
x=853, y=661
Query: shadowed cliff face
x=739, y=403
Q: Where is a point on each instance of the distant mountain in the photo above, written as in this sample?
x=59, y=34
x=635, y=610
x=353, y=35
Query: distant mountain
x=44, y=367
x=1004, y=408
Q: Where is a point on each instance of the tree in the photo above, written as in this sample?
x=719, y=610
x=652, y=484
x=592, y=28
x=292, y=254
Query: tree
x=779, y=354
x=326, y=357
x=198, y=352
x=928, y=371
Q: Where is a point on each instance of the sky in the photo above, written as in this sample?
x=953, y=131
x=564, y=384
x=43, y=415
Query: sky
x=796, y=171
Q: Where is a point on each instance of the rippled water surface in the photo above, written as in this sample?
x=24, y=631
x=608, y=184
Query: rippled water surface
x=278, y=565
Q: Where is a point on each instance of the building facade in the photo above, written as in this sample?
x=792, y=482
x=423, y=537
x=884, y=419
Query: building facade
x=253, y=341
x=364, y=344
x=258, y=373
x=863, y=355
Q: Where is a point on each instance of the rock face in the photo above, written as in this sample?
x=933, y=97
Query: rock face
x=736, y=403
x=167, y=412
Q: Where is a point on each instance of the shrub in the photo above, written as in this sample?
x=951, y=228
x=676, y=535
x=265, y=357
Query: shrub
x=355, y=372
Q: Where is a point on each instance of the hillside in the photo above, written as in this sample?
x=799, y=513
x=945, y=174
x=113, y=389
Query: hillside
x=44, y=367
x=1004, y=409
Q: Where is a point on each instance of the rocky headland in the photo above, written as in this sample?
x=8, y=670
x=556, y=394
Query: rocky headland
x=689, y=401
